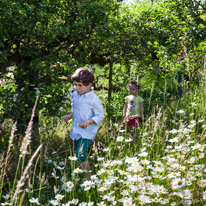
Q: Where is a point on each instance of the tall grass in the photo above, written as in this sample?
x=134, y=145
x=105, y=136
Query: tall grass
x=162, y=163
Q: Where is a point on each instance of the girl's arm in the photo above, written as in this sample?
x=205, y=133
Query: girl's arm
x=142, y=110
x=124, y=111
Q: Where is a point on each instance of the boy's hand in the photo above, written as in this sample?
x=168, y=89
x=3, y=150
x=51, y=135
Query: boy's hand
x=86, y=123
x=67, y=117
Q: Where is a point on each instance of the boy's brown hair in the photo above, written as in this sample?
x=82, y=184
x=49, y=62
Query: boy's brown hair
x=84, y=75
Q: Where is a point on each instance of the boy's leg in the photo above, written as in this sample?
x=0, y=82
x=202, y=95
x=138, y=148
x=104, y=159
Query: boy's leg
x=85, y=165
x=81, y=152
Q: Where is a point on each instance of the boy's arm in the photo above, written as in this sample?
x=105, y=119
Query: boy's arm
x=86, y=123
x=142, y=110
x=98, y=114
x=68, y=117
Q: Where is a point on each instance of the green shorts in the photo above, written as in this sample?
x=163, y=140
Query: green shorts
x=81, y=148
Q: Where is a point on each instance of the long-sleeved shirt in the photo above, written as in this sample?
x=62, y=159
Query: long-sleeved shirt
x=85, y=107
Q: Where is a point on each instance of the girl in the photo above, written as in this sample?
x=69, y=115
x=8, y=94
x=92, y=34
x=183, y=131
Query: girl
x=133, y=108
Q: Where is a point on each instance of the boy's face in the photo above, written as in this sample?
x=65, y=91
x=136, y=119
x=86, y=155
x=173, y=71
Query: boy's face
x=80, y=88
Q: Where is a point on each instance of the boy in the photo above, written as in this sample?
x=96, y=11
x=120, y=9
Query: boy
x=87, y=113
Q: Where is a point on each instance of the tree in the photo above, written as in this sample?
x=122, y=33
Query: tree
x=44, y=42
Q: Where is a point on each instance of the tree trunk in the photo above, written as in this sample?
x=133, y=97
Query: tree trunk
x=110, y=81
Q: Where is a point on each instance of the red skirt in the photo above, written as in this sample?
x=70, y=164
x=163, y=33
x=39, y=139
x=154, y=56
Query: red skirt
x=133, y=121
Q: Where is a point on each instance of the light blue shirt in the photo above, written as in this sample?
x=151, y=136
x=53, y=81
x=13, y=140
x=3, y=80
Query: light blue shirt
x=84, y=107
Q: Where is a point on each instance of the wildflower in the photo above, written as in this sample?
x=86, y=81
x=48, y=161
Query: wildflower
x=106, y=149
x=59, y=196
x=67, y=204
x=10, y=74
x=203, y=183
x=69, y=184
x=51, y=67
x=100, y=158
x=90, y=203
x=182, y=168
x=173, y=204
x=160, y=189
x=158, y=169
x=144, y=199
x=54, y=202
x=128, y=140
x=6, y=203
x=158, y=164
x=77, y=170
x=193, y=104
x=180, y=111
x=120, y=138
x=156, y=199
x=83, y=204
x=75, y=201
x=188, y=182
x=204, y=195
x=122, y=172
x=101, y=171
x=110, y=172
x=199, y=174
x=2, y=81
x=143, y=154
x=127, y=202
x=173, y=131
x=63, y=179
x=87, y=183
x=173, y=139
x=101, y=204
x=74, y=158
x=187, y=194
x=145, y=162
x=34, y=200
x=116, y=124
x=178, y=183
x=93, y=177
x=192, y=160
x=7, y=196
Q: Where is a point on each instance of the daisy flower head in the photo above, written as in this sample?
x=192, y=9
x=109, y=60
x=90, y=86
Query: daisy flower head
x=75, y=201
x=119, y=138
x=7, y=196
x=191, y=160
x=116, y=124
x=77, y=170
x=180, y=111
x=101, y=204
x=143, y=154
x=83, y=204
x=74, y=158
x=34, y=200
x=59, y=197
x=178, y=183
x=54, y=202
x=145, y=162
x=129, y=140
x=6, y=203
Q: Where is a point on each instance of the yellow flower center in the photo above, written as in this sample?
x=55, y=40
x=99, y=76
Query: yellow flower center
x=179, y=182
